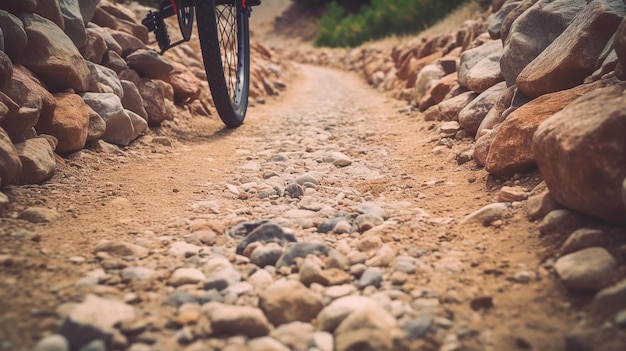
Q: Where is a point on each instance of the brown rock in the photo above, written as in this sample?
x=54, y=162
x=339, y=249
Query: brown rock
x=104, y=19
x=184, y=83
x=288, y=301
x=583, y=160
x=443, y=87
x=10, y=164
x=511, y=150
x=95, y=47
x=38, y=161
x=572, y=56
x=69, y=123
x=52, y=56
x=127, y=42
x=153, y=102
x=540, y=205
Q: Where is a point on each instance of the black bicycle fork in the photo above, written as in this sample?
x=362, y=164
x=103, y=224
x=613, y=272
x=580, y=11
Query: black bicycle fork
x=155, y=23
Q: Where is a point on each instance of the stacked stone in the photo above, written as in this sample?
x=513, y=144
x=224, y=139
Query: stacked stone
x=76, y=74
x=535, y=83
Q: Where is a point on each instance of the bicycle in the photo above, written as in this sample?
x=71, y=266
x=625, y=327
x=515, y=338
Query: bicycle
x=224, y=35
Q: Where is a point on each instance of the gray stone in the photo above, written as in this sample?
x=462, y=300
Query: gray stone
x=132, y=100
x=371, y=276
x=471, y=57
x=265, y=233
x=561, y=221
x=140, y=125
x=540, y=205
x=74, y=26
x=38, y=162
x=523, y=45
x=610, y=300
x=266, y=255
x=473, y=114
x=586, y=270
x=119, y=127
x=582, y=239
x=107, y=77
x=450, y=108
x=15, y=39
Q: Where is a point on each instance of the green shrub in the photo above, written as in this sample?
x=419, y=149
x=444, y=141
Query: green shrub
x=380, y=18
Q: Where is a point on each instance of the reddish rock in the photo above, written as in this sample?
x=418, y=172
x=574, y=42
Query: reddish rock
x=69, y=123
x=571, y=57
x=511, y=149
x=443, y=87
x=581, y=153
x=185, y=84
x=52, y=11
x=482, y=146
x=153, y=102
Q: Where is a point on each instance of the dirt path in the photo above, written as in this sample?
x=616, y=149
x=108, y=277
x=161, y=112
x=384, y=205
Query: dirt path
x=361, y=150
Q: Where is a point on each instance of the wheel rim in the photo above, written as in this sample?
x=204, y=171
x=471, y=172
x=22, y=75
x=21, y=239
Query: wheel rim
x=231, y=49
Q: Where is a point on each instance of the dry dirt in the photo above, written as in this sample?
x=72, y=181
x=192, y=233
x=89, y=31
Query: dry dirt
x=146, y=187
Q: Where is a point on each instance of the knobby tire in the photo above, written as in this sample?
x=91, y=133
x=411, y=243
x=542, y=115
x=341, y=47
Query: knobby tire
x=224, y=36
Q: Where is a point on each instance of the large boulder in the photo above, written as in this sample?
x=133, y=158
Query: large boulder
x=485, y=74
x=52, y=56
x=38, y=162
x=505, y=27
x=95, y=46
x=74, y=24
x=532, y=32
x=571, y=57
x=69, y=123
x=511, y=147
x=33, y=101
x=10, y=164
x=581, y=153
x=15, y=39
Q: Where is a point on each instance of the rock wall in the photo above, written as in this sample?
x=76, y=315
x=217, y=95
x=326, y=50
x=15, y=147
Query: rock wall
x=76, y=74
x=537, y=83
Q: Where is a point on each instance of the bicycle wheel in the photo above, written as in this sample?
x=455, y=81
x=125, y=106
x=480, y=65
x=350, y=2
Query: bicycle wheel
x=225, y=42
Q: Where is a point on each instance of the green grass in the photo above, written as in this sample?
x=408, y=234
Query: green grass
x=379, y=19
